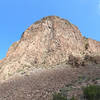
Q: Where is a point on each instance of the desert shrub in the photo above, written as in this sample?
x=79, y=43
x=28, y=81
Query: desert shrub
x=94, y=59
x=92, y=92
x=73, y=98
x=59, y=96
x=75, y=61
x=86, y=43
x=86, y=46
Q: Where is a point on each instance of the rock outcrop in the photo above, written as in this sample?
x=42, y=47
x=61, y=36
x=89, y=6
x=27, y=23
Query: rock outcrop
x=48, y=42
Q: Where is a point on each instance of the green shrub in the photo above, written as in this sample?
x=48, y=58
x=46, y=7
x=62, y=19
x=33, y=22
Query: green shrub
x=75, y=61
x=58, y=96
x=92, y=92
x=73, y=98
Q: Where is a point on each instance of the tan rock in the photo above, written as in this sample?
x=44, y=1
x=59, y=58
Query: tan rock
x=47, y=42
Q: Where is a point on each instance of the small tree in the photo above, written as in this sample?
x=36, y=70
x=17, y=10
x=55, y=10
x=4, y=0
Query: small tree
x=92, y=92
x=58, y=96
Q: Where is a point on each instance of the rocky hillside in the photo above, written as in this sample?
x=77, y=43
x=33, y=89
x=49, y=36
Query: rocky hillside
x=48, y=42
x=51, y=55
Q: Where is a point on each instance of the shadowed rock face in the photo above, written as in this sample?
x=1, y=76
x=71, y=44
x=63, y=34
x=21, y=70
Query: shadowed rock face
x=45, y=43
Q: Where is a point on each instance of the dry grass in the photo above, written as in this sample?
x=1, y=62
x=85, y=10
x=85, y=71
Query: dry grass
x=42, y=83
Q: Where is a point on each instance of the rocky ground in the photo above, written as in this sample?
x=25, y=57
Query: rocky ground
x=42, y=83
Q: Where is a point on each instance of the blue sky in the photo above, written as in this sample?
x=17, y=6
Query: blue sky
x=17, y=15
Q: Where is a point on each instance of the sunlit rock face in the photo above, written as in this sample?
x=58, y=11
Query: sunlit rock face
x=45, y=43
x=49, y=40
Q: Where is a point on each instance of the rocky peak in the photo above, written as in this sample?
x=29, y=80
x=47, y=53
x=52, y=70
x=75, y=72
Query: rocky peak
x=50, y=23
x=47, y=42
x=47, y=37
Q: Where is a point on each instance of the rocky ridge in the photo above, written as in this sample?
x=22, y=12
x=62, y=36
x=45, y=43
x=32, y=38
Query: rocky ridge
x=48, y=42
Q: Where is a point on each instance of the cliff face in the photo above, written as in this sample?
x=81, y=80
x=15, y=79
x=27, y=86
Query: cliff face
x=47, y=42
